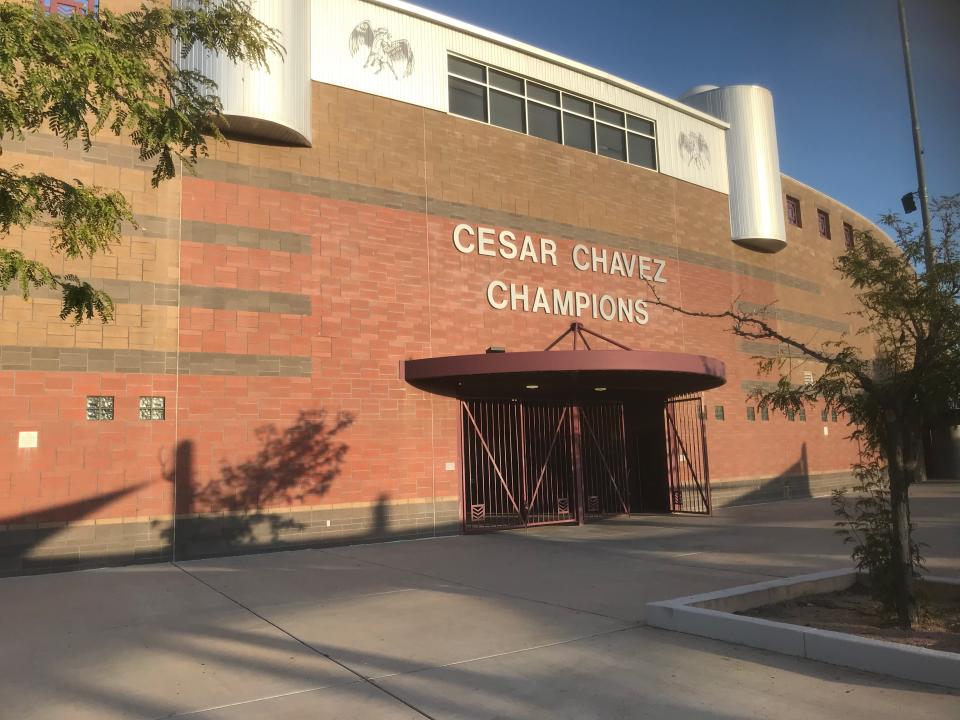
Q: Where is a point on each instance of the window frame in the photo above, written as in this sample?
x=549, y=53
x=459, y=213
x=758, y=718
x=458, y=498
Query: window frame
x=793, y=202
x=102, y=407
x=848, y=236
x=823, y=224
x=561, y=108
x=155, y=411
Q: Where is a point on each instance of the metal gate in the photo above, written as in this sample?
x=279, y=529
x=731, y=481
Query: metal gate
x=539, y=464
x=687, y=469
x=604, y=461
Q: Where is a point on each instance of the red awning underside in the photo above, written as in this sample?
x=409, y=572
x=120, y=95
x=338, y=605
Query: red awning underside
x=565, y=374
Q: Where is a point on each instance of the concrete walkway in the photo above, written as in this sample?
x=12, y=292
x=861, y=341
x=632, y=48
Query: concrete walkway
x=545, y=623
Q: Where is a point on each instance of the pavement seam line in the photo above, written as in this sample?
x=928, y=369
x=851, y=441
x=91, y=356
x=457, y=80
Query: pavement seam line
x=255, y=700
x=568, y=641
x=707, y=565
x=478, y=587
x=304, y=643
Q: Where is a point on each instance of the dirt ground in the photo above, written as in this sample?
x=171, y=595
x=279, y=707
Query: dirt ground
x=854, y=611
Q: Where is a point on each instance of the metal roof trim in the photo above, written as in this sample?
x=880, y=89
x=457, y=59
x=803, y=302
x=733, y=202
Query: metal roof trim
x=459, y=25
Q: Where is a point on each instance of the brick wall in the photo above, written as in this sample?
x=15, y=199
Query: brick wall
x=271, y=299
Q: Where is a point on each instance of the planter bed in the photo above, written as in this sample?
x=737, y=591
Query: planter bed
x=853, y=611
x=715, y=615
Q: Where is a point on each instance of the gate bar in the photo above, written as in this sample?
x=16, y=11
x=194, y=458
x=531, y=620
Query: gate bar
x=493, y=462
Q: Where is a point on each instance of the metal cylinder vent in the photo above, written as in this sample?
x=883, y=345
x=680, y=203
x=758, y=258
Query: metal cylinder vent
x=260, y=104
x=753, y=162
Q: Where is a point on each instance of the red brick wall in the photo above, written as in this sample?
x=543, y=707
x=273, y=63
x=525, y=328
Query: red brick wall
x=386, y=284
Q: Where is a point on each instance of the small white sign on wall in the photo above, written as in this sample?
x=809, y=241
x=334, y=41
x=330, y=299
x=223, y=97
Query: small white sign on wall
x=450, y=466
x=28, y=439
x=826, y=431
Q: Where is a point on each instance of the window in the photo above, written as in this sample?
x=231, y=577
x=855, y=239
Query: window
x=544, y=122
x=611, y=116
x=823, y=414
x=793, y=211
x=543, y=94
x=764, y=414
x=642, y=151
x=848, y=236
x=639, y=125
x=99, y=407
x=468, y=99
x=506, y=82
x=507, y=111
x=791, y=415
x=469, y=70
x=611, y=142
x=152, y=408
x=718, y=412
x=524, y=106
x=751, y=414
x=833, y=416
x=577, y=132
x=823, y=223
x=802, y=414
x=577, y=105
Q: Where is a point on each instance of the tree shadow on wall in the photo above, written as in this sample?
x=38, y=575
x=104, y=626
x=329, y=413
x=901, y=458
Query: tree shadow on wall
x=232, y=510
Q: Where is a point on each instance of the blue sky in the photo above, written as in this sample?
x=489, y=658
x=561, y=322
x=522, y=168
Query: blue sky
x=834, y=66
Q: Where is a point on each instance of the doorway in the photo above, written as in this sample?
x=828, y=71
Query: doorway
x=527, y=464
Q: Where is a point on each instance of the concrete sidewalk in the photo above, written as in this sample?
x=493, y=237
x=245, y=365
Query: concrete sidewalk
x=534, y=624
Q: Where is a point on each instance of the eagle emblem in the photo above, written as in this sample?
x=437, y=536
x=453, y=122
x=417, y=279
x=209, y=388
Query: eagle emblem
x=384, y=51
x=694, y=148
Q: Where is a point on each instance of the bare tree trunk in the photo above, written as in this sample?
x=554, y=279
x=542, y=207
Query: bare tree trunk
x=900, y=468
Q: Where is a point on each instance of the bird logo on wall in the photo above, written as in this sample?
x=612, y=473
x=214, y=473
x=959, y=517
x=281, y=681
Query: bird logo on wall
x=384, y=51
x=694, y=148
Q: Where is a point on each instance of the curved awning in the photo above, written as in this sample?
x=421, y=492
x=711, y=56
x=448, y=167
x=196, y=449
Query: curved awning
x=565, y=374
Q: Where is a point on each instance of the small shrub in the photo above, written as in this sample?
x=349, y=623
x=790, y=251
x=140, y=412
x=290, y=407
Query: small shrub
x=865, y=522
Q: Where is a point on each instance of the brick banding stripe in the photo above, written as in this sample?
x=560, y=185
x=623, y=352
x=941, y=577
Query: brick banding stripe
x=792, y=316
x=768, y=349
x=286, y=181
x=135, y=292
x=266, y=301
x=154, y=362
x=248, y=237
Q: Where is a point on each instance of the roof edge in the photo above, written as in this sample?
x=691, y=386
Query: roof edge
x=454, y=24
x=838, y=202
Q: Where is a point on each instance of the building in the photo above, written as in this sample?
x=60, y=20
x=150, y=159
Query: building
x=309, y=332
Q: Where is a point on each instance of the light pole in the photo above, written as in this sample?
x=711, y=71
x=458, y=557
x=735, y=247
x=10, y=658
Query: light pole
x=917, y=147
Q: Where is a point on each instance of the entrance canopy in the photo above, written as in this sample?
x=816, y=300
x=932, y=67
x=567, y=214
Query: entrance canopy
x=566, y=375
x=563, y=374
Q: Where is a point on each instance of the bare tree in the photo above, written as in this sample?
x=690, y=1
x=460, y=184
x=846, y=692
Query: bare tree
x=911, y=314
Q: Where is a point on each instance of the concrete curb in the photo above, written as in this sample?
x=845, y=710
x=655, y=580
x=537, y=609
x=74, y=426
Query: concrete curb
x=711, y=615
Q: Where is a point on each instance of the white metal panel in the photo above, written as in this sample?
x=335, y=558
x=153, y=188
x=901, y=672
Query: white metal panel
x=266, y=104
x=334, y=62
x=426, y=85
x=756, y=196
x=692, y=150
